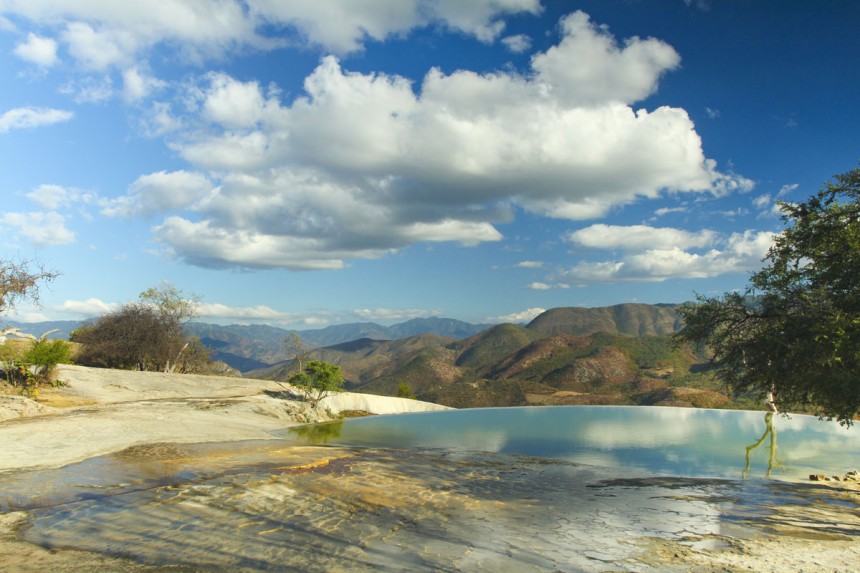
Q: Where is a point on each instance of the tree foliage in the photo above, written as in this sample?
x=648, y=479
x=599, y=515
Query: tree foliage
x=296, y=349
x=317, y=380
x=170, y=302
x=146, y=335
x=795, y=331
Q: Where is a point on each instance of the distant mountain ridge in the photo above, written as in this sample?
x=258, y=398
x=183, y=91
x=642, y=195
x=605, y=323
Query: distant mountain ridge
x=613, y=355
x=622, y=354
x=62, y=328
x=632, y=319
x=249, y=347
x=258, y=346
x=252, y=347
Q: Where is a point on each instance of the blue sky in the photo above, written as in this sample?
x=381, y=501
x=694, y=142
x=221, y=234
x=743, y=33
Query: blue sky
x=312, y=163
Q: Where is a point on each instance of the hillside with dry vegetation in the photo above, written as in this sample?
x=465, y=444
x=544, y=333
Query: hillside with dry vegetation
x=616, y=355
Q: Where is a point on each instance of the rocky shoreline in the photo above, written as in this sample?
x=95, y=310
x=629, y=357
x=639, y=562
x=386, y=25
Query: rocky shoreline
x=853, y=476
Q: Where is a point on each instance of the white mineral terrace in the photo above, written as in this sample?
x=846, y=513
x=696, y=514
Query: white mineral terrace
x=136, y=471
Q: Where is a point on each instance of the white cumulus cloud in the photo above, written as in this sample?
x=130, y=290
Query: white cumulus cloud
x=259, y=312
x=359, y=165
x=54, y=197
x=524, y=316
x=767, y=206
x=589, y=67
x=787, y=189
x=517, y=44
x=42, y=229
x=38, y=50
x=31, y=117
x=362, y=164
x=481, y=18
x=99, y=35
x=102, y=35
x=89, y=308
x=391, y=314
x=639, y=237
x=660, y=254
x=138, y=84
x=160, y=192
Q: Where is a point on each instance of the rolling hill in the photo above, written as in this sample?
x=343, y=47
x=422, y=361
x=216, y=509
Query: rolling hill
x=614, y=355
x=631, y=319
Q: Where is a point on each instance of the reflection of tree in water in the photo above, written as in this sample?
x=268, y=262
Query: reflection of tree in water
x=318, y=433
x=769, y=431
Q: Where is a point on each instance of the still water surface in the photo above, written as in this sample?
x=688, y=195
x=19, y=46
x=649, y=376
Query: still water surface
x=537, y=489
x=665, y=441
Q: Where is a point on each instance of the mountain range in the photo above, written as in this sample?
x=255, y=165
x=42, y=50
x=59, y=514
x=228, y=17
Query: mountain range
x=622, y=354
x=249, y=347
x=252, y=346
x=246, y=347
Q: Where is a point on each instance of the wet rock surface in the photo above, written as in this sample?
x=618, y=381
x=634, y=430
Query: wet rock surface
x=263, y=506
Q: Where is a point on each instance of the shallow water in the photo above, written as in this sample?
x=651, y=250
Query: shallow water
x=332, y=509
x=664, y=441
x=434, y=505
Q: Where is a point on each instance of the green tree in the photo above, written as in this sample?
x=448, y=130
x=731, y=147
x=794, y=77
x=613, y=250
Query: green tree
x=793, y=336
x=317, y=380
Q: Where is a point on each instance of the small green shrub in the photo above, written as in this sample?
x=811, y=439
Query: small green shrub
x=45, y=355
x=30, y=368
x=404, y=391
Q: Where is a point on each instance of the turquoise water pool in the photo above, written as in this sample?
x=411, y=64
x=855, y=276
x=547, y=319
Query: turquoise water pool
x=663, y=441
x=569, y=489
